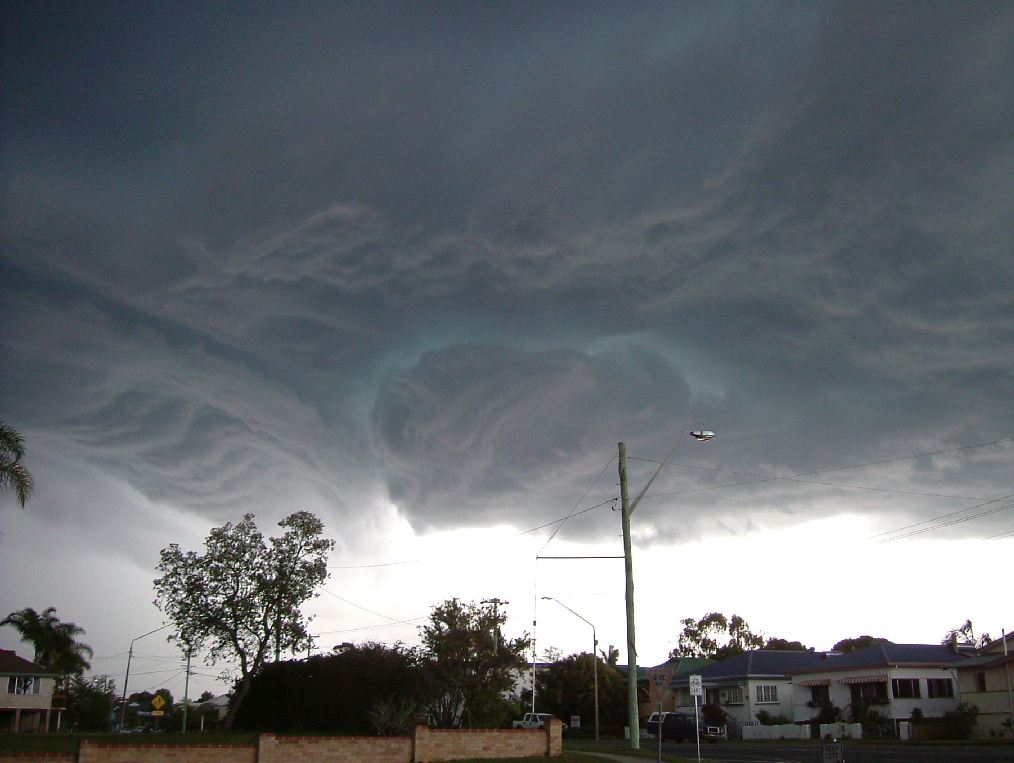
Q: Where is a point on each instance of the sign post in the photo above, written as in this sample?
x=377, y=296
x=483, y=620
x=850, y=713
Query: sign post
x=697, y=690
x=658, y=681
x=832, y=752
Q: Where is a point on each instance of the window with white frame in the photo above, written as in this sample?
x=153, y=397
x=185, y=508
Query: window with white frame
x=734, y=695
x=939, y=688
x=767, y=694
x=23, y=685
x=905, y=688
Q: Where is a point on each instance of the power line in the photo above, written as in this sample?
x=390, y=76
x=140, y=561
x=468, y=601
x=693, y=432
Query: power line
x=953, y=522
x=937, y=519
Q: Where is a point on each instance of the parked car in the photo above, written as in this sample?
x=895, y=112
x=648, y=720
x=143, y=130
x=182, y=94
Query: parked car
x=681, y=727
x=535, y=721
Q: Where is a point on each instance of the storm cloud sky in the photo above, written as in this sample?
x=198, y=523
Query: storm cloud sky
x=419, y=267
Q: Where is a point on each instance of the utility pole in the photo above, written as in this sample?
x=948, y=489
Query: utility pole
x=496, y=619
x=633, y=720
x=186, y=690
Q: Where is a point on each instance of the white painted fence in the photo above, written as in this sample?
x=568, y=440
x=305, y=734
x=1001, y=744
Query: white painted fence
x=784, y=731
x=841, y=730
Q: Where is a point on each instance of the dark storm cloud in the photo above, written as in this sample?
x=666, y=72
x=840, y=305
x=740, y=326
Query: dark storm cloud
x=473, y=432
x=249, y=251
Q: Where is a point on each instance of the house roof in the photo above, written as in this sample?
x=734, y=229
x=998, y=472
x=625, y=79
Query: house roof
x=886, y=655
x=758, y=663
x=12, y=665
x=682, y=666
x=997, y=645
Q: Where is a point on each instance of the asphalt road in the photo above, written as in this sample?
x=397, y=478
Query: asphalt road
x=810, y=752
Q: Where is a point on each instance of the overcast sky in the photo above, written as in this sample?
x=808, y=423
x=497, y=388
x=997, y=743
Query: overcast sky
x=418, y=267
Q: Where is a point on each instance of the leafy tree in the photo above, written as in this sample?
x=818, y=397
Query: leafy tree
x=242, y=596
x=847, y=645
x=966, y=635
x=358, y=690
x=567, y=687
x=14, y=475
x=783, y=645
x=90, y=703
x=56, y=645
x=715, y=636
x=472, y=665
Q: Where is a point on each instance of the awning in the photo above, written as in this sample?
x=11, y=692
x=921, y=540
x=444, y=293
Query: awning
x=816, y=682
x=863, y=680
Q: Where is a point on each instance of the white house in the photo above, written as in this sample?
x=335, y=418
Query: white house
x=893, y=679
x=985, y=680
x=747, y=684
x=26, y=694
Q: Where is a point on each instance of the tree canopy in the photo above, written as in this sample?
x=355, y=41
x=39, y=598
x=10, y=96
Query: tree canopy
x=472, y=664
x=14, y=475
x=847, y=645
x=965, y=634
x=358, y=690
x=567, y=688
x=242, y=597
x=55, y=642
x=716, y=636
x=90, y=703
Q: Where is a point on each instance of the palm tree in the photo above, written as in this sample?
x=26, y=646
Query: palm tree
x=13, y=474
x=56, y=645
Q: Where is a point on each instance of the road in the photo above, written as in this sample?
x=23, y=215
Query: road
x=810, y=752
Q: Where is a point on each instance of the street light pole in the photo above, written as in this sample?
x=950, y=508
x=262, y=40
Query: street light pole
x=130, y=654
x=626, y=509
x=595, y=660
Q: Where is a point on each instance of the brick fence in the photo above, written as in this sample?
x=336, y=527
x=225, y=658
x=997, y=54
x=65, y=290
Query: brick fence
x=424, y=746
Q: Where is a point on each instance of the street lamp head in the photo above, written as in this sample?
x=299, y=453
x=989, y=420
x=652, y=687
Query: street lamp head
x=702, y=435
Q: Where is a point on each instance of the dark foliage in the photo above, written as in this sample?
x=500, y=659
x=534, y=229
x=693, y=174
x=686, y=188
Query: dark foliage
x=567, y=688
x=847, y=645
x=338, y=693
x=90, y=704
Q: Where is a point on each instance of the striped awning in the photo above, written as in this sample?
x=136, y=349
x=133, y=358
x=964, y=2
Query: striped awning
x=816, y=682
x=863, y=680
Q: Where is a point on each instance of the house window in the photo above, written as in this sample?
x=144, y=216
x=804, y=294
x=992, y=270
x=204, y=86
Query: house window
x=906, y=688
x=734, y=696
x=820, y=695
x=767, y=694
x=980, y=682
x=873, y=693
x=939, y=688
x=23, y=685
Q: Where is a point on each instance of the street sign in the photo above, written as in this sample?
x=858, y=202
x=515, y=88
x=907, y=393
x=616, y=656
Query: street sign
x=658, y=681
x=832, y=752
x=696, y=686
x=158, y=701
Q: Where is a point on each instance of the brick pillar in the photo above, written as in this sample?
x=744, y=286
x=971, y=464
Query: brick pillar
x=554, y=738
x=267, y=749
x=421, y=752
x=87, y=752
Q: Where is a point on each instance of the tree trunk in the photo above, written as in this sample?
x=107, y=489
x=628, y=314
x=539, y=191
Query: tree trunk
x=244, y=689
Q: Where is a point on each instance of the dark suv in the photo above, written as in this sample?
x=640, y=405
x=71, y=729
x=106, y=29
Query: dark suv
x=681, y=727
